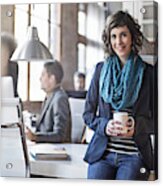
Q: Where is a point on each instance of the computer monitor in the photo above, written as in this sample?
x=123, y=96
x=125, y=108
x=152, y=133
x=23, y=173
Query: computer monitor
x=9, y=103
x=7, y=89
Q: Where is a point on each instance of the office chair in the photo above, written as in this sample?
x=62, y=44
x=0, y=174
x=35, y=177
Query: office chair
x=77, y=109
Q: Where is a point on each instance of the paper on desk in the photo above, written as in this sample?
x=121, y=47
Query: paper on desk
x=48, y=152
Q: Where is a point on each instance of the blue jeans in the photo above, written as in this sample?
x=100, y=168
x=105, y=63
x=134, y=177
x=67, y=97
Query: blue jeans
x=115, y=166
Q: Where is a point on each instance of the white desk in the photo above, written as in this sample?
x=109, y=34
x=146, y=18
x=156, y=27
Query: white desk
x=73, y=168
x=12, y=159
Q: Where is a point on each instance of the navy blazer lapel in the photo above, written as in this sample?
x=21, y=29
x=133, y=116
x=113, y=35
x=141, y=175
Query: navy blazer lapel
x=45, y=107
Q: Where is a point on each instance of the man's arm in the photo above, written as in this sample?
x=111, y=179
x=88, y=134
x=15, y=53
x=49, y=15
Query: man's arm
x=60, y=122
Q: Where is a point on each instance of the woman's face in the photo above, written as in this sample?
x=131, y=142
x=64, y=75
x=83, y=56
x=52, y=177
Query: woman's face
x=121, y=41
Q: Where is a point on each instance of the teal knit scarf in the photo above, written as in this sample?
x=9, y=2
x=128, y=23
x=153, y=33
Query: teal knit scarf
x=120, y=86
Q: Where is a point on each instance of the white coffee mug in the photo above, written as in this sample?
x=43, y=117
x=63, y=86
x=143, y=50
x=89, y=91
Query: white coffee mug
x=122, y=118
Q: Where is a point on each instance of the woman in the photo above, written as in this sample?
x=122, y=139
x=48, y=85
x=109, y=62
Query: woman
x=121, y=83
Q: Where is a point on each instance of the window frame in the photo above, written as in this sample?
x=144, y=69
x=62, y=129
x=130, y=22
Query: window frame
x=51, y=23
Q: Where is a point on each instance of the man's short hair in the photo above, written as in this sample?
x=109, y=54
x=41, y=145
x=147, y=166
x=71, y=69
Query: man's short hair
x=79, y=75
x=55, y=68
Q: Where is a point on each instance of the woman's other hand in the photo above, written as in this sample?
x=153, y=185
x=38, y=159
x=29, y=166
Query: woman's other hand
x=115, y=128
x=129, y=132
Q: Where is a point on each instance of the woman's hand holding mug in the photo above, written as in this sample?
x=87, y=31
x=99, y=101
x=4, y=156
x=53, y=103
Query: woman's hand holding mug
x=110, y=129
x=120, y=125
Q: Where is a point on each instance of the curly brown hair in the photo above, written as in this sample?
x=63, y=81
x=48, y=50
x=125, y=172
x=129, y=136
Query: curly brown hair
x=120, y=19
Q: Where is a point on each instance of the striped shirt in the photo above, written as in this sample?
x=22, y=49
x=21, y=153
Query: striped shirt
x=122, y=145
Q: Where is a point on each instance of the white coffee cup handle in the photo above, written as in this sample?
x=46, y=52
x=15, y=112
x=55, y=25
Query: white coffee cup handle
x=133, y=122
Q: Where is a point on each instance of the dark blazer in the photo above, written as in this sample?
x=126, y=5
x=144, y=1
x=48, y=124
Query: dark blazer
x=97, y=114
x=54, y=123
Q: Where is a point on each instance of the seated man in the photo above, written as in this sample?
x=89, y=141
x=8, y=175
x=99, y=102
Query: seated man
x=79, y=86
x=54, y=123
x=79, y=81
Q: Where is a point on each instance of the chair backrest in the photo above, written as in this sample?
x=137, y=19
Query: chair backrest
x=77, y=109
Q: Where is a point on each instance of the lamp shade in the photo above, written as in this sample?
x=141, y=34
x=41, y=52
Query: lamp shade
x=32, y=49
